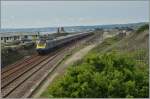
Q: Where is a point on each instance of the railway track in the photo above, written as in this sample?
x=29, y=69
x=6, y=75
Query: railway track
x=19, y=67
x=20, y=80
x=13, y=83
x=9, y=67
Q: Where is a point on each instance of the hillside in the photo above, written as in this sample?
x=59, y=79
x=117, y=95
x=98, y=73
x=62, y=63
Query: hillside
x=117, y=68
x=136, y=42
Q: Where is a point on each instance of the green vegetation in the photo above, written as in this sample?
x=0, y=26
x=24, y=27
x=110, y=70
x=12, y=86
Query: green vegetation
x=105, y=44
x=142, y=28
x=116, y=68
x=107, y=75
x=13, y=54
x=9, y=56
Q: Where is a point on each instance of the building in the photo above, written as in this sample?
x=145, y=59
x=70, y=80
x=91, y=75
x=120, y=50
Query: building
x=10, y=37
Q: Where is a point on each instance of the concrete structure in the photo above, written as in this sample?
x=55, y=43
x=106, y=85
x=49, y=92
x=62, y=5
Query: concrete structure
x=60, y=30
x=10, y=37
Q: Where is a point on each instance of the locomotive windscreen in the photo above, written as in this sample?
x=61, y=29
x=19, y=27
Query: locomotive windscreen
x=41, y=44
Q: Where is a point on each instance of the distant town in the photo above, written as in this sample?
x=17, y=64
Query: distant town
x=10, y=35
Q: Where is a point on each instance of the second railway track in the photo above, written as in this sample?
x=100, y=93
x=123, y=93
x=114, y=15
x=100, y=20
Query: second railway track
x=18, y=63
x=19, y=67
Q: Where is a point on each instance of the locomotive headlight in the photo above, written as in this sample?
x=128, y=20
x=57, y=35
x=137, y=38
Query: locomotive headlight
x=41, y=45
x=45, y=45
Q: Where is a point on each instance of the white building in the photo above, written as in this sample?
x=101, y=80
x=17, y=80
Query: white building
x=10, y=37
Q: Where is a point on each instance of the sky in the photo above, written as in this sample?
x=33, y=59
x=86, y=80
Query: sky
x=30, y=14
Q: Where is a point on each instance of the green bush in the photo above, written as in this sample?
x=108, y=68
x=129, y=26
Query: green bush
x=108, y=75
x=142, y=28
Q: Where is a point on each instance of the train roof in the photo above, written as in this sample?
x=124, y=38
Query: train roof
x=62, y=37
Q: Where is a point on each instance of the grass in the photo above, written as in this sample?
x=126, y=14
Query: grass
x=105, y=44
x=46, y=92
x=143, y=28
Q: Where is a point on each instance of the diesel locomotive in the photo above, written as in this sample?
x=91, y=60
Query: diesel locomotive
x=45, y=45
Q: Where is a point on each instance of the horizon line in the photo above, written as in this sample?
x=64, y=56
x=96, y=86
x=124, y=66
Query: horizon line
x=75, y=25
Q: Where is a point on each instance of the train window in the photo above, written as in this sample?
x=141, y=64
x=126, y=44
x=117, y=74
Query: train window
x=7, y=38
x=1, y=38
x=4, y=39
x=41, y=42
x=25, y=36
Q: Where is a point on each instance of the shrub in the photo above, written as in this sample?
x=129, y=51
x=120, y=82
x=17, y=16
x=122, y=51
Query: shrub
x=108, y=75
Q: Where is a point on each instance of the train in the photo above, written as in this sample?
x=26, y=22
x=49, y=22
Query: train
x=46, y=45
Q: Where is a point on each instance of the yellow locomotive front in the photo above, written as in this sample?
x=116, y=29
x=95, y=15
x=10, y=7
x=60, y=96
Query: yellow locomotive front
x=41, y=46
